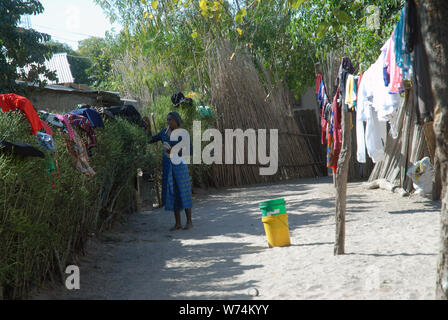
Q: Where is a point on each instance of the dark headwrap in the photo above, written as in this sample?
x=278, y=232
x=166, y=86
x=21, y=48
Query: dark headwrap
x=176, y=117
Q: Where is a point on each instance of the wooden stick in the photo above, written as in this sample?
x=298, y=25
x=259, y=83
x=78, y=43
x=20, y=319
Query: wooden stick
x=341, y=182
x=156, y=169
x=139, y=187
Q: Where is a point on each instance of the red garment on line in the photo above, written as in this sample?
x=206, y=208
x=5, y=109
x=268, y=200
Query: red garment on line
x=323, y=124
x=46, y=128
x=337, y=124
x=11, y=101
x=318, y=82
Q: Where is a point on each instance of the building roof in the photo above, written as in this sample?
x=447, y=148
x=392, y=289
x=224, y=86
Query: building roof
x=59, y=64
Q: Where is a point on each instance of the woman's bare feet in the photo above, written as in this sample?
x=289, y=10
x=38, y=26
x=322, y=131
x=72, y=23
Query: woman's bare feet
x=176, y=227
x=188, y=226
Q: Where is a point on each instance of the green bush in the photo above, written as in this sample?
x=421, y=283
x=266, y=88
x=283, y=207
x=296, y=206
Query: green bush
x=44, y=229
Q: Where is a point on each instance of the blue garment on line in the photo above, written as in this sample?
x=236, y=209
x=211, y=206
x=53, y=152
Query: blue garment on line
x=176, y=184
x=403, y=59
x=321, y=95
x=91, y=114
x=386, y=77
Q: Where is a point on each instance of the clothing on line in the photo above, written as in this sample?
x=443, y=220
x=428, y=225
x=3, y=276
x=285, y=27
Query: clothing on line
x=91, y=114
x=20, y=148
x=395, y=72
x=85, y=124
x=11, y=102
x=319, y=81
x=66, y=122
x=78, y=152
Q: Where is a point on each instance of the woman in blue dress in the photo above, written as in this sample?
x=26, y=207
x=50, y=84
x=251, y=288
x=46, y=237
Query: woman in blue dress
x=176, y=185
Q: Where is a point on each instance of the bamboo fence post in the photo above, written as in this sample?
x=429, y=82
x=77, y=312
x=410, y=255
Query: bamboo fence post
x=341, y=182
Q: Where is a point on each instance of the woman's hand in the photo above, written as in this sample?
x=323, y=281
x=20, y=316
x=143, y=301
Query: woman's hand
x=167, y=147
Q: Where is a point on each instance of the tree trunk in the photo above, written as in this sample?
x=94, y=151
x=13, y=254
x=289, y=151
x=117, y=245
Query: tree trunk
x=341, y=182
x=433, y=15
x=437, y=183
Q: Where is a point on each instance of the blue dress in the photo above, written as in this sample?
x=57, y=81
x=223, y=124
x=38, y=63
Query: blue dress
x=176, y=185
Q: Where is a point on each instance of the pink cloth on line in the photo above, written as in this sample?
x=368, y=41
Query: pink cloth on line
x=64, y=119
x=323, y=124
x=396, y=74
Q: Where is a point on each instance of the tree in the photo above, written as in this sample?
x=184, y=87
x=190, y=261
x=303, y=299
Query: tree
x=19, y=46
x=175, y=40
x=100, y=55
x=434, y=29
x=333, y=25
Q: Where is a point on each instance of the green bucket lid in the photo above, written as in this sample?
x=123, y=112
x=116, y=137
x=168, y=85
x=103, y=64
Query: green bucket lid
x=271, y=203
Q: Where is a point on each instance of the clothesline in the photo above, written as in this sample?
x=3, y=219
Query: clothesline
x=375, y=96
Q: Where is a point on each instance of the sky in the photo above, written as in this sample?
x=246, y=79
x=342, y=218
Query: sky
x=69, y=21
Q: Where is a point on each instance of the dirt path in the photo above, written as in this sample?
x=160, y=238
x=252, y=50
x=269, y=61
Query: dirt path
x=392, y=246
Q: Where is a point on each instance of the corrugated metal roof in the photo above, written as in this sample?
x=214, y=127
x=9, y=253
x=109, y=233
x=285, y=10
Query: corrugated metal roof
x=58, y=63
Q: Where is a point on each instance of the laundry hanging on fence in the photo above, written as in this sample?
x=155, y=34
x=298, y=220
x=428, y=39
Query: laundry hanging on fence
x=128, y=112
x=91, y=114
x=11, y=102
x=78, y=152
x=46, y=141
x=21, y=149
x=319, y=81
x=394, y=72
x=351, y=92
x=403, y=37
x=76, y=148
x=323, y=102
x=51, y=118
x=331, y=132
x=67, y=126
x=334, y=133
x=84, y=123
x=376, y=106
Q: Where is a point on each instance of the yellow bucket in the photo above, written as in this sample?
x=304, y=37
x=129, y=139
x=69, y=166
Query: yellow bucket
x=277, y=230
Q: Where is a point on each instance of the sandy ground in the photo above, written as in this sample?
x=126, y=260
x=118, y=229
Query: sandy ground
x=391, y=245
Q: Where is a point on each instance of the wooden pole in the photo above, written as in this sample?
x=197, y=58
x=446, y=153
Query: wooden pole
x=156, y=170
x=341, y=182
x=139, y=194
